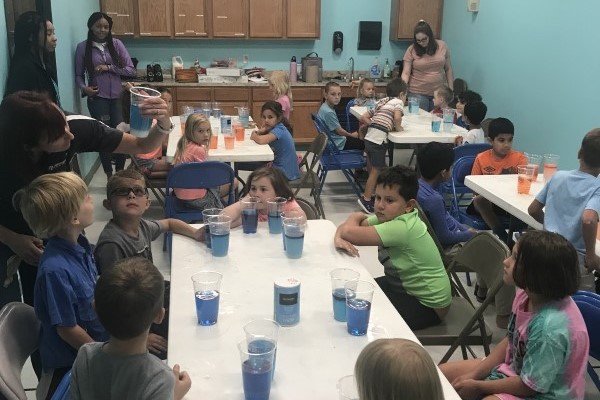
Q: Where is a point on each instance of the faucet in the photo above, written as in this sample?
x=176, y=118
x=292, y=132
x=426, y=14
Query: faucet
x=351, y=65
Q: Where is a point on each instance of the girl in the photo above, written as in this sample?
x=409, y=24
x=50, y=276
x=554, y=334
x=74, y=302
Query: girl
x=265, y=183
x=279, y=83
x=103, y=60
x=545, y=352
x=396, y=369
x=193, y=147
x=365, y=94
x=276, y=133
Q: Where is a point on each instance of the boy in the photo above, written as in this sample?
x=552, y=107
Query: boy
x=415, y=280
x=475, y=112
x=435, y=163
x=572, y=201
x=128, y=298
x=442, y=98
x=342, y=139
x=127, y=234
x=58, y=207
x=385, y=117
x=463, y=99
x=500, y=159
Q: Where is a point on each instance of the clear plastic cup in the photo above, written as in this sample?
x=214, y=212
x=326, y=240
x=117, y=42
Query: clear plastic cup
x=339, y=278
x=525, y=176
x=139, y=124
x=219, y=226
x=257, y=370
x=207, y=287
x=550, y=165
x=534, y=160
x=347, y=388
x=274, y=209
x=250, y=214
x=359, y=295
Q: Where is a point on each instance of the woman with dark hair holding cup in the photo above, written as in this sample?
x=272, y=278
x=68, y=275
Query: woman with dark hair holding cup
x=426, y=66
x=103, y=60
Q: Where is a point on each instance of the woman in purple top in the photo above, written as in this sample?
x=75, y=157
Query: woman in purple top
x=103, y=60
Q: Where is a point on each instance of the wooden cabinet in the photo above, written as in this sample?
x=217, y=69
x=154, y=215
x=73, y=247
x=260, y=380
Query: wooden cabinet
x=155, y=17
x=406, y=13
x=230, y=98
x=13, y=9
x=190, y=18
x=303, y=19
x=191, y=96
x=229, y=18
x=266, y=18
x=307, y=100
x=123, y=16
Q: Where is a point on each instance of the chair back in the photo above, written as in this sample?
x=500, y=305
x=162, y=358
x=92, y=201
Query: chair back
x=485, y=126
x=19, y=335
x=589, y=306
x=310, y=210
x=470, y=150
x=351, y=121
x=64, y=387
x=461, y=168
x=485, y=255
x=314, y=153
x=425, y=219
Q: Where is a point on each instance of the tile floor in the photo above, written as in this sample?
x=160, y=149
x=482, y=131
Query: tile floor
x=338, y=201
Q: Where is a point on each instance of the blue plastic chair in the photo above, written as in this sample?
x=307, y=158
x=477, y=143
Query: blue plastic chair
x=334, y=159
x=462, y=167
x=63, y=389
x=589, y=306
x=351, y=121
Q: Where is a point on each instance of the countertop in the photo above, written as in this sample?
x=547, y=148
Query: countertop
x=172, y=83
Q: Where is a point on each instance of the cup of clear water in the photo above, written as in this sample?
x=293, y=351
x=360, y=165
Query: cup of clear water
x=206, y=109
x=207, y=287
x=413, y=105
x=257, y=370
x=359, y=295
x=347, y=388
x=448, y=119
x=339, y=277
x=216, y=110
x=139, y=124
x=219, y=226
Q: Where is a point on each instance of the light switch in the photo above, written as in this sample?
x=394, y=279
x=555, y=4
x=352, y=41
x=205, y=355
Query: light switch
x=473, y=5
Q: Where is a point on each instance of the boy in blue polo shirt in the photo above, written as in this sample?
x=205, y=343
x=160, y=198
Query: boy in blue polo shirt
x=59, y=207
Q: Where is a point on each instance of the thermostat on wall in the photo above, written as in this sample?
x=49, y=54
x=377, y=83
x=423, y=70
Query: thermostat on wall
x=473, y=5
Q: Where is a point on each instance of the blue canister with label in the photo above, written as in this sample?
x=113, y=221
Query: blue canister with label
x=225, y=123
x=286, y=307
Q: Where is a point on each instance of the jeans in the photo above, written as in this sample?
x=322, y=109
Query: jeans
x=109, y=112
x=425, y=102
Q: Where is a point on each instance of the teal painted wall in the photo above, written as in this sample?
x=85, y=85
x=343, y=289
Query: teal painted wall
x=336, y=15
x=535, y=62
x=3, y=50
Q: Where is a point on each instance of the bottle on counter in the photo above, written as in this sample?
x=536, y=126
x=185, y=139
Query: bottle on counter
x=387, y=71
x=375, y=70
x=293, y=69
x=197, y=66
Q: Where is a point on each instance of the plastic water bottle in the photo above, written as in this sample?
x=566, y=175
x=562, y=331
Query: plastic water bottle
x=293, y=69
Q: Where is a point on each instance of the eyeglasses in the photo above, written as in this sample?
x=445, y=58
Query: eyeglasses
x=424, y=40
x=124, y=191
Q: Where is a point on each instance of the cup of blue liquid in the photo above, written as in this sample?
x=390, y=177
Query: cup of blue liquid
x=294, y=229
x=291, y=214
x=339, y=278
x=261, y=336
x=448, y=119
x=359, y=295
x=139, y=124
x=275, y=208
x=219, y=226
x=250, y=213
x=347, y=388
x=206, y=214
x=207, y=287
x=216, y=110
x=413, y=105
x=436, y=122
x=257, y=370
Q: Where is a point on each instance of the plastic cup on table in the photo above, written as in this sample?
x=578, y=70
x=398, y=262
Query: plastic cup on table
x=229, y=140
x=216, y=110
x=257, y=370
x=448, y=119
x=525, y=176
x=186, y=112
x=240, y=133
x=359, y=295
x=294, y=229
x=219, y=226
x=140, y=125
x=339, y=278
x=291, y=215
x=436, y=122
x=244, y=115
x=413, y=105
x=206, y=214
x=261, y=336
x=206, y=109
x=207, y=288
x=274, y=209
x=214, y=141
x=534, y=161
x=550, y=165
x=347, y=388
x=250, y=214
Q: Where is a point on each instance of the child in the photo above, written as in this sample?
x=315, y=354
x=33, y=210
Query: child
x=265, y=183
x=384, y=118
x=365, y=94
x=500, y=159
x=342, y=139
x=396, y=369
x=442, y=97
x=435, y=163
x=59, y=207
x=572, y=201
x=276, y=133
x=279, y=83
x=193, y=147
x=415, y=280
x=545, y=351
x=474, y=113
x=128, y=299
x=463, y=99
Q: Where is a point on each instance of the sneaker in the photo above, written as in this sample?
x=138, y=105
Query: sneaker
x=367, y=205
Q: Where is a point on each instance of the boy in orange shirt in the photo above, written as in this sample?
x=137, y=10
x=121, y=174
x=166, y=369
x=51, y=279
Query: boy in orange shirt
x=500, y=159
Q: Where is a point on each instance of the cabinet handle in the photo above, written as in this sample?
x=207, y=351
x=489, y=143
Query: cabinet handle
x=122, y=15
x=199, y=15
x=128, y=33
x=181, y=15
x=146, y=33
x=221, y=16
x=239, y=34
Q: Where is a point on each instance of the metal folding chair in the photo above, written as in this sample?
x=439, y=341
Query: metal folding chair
x=589, y=306
x=309, y=178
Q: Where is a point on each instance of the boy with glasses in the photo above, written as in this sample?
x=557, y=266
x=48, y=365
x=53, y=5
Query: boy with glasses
x=127, y=234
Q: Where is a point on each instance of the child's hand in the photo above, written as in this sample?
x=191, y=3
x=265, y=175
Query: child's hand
x=468, y=389
x=592, y=262
x=199, y=235
x=254, y=135
x=156, y=344
x=458, y=140
x=183, y=382
x=346, y=246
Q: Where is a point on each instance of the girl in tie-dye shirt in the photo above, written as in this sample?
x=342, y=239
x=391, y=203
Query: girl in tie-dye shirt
x=545, y=352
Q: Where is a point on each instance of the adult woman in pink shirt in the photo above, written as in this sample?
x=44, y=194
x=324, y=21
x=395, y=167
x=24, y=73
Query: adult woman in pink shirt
x=426, y=66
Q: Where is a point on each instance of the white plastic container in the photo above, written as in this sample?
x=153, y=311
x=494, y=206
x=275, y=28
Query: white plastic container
x=177, y=64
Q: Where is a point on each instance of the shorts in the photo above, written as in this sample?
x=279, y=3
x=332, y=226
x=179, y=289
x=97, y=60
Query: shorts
x=146, y=165
x=376, y=153
x=211, y=200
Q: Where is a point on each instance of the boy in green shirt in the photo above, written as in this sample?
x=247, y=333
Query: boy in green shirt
x=415, y=280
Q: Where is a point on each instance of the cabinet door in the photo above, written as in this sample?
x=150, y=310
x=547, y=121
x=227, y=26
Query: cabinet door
x=230, y=18
x=406, y=13
x=155, y=17
x=303, y=128
x=13, y=9
x=190, y=18
x=122, y=14
x=266, y=18
x=303, y=18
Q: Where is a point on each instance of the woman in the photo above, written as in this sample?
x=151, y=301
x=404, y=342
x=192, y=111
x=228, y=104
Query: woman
x=426, y=66
x=104, y=60
x=32, y=65
x=36, y=138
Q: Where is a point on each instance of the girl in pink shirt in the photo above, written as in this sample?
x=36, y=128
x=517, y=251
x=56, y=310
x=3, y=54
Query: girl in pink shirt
x=279, y=83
